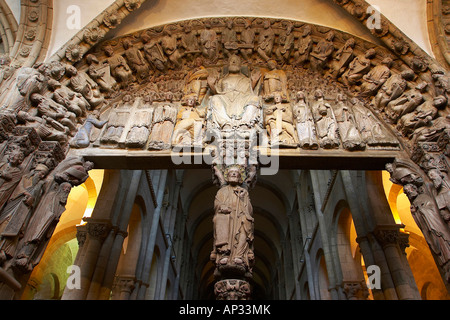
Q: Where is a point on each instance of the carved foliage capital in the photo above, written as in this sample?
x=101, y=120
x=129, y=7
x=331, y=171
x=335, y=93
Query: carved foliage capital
x=98, y=229
x=232, y=289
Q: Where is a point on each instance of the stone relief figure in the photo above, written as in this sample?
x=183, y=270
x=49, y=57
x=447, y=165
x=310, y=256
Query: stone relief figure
x=47, y=128
x=279, y=122
x=350, y=137
x=190, y=123
x=80, y=82
x=442, y=193
x=120, y=69
x=190, y=42
x=234, y=104
x=274, y=82
x=135, y=60
x=20, y=207
x=72, y=101
x=49, y=108
x=170, y=48
x=195, y=81
x=247, y=40
x=266, y=40
x=406, y=103
x=303, y=47
x=304, y=120
x=321, y=52
x=392, y=88
x=376, y=77
x=286, y=44
x=140, y=123
x=82, y=138
x=28, y=81
x=209, y=43
x=69, y=173
x=154, y=53
x=421, y=116
x=432, y=132
x=11, y=172
x=441, y=84
x=101, y=74
x=229, y=40
x=423, y=209
x=117, y=120
x=370, y=128
x=233, y=225
x=326, y=124
x=164, y=118
x=359, y=66
x=343, y=58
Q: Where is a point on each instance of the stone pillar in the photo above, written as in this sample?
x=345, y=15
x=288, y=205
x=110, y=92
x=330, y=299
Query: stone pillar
x=97, y=232
x=366, y=251
x=388, y=238
x=100, y=268
x=403, y=242
x=114, y=257
x=387, y=284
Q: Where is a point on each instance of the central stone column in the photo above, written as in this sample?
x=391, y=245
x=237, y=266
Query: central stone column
x=233, y=233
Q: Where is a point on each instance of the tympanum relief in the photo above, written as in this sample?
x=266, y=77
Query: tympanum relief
x=182, y=73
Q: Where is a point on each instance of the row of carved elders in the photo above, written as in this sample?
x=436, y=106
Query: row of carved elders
x=134, y=57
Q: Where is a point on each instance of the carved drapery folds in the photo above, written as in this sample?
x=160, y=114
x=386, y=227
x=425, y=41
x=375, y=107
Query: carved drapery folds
x=426, y=187
x=233, y=225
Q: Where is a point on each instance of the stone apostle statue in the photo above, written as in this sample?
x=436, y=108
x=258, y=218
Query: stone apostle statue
x=233, y=225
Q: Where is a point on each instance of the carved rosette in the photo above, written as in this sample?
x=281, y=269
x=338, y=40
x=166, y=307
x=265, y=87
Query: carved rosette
x=232, y=289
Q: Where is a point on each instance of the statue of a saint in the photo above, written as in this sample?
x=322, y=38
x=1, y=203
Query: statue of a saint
x=234, y=104
x=233, y=224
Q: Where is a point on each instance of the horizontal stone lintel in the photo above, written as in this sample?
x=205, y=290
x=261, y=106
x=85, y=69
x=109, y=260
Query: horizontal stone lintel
x=286, y=159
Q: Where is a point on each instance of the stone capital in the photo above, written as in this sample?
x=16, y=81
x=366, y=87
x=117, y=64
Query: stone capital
x=232, y=289
x=98, y=229
x=387, y=235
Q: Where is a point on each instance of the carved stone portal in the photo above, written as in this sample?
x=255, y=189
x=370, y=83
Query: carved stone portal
x=233, y=86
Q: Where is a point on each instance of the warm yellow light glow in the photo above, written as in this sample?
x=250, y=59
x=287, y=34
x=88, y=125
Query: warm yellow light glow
x=81, y=201
x=353, y=235
x=92, y=186
x=392, y=191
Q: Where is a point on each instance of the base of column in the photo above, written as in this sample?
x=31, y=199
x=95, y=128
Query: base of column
x=232, y=289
